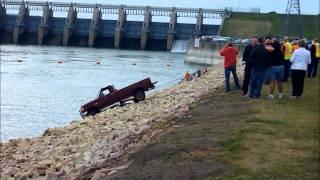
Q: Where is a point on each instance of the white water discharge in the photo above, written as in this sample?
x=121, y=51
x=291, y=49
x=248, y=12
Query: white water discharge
x=180, y=46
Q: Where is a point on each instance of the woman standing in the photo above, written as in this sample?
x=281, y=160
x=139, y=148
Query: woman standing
x=300, y=60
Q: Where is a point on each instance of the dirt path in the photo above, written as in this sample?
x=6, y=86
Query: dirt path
x=189, y=150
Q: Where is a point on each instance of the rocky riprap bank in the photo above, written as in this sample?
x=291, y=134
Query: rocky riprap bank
x=98, y=146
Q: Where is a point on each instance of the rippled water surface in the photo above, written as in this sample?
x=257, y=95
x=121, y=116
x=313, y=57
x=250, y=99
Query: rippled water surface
x=39, y=92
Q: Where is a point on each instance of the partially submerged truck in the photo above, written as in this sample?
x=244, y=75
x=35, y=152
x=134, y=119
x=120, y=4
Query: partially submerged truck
x=109, y=97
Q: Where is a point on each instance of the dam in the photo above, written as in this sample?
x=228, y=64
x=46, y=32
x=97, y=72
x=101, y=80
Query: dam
x=22, y=28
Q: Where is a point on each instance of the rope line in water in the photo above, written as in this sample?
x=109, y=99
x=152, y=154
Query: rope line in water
x=168, y=83
x=177, y=79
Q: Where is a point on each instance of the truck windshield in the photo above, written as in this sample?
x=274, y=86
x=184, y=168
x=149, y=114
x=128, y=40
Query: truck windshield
x=105, y=91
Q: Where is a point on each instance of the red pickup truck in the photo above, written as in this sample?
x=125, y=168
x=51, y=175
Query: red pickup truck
x=109, y=96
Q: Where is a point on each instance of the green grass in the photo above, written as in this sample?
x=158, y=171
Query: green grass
x=246, y=25
x=279, y=141
x=229, y=137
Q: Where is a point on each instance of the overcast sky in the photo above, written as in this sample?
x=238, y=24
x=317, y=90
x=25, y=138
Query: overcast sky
x=307, y=6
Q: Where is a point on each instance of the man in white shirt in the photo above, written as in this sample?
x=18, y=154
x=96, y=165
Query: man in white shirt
x=300, y=60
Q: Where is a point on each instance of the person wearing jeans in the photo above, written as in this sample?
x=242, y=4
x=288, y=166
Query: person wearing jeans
x=258, y=61
x=247, y=67
x=300, y=60
x=230, y=61
x=257, y=79
x=227, y=71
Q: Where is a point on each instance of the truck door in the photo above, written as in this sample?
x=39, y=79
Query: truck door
x=111, y=97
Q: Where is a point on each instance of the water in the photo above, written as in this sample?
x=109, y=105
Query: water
x=39, y=93
x=180, y=46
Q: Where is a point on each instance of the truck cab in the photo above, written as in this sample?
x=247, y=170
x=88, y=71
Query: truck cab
x=106, y=91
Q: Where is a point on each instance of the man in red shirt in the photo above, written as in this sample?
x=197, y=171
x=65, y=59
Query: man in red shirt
x=230, y=61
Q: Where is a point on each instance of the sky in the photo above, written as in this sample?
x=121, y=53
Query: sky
x=307, y=7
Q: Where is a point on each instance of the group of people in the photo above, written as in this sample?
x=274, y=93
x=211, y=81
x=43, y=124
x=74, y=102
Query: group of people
x=269, y=61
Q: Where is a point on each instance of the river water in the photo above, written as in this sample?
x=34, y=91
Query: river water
x=39, y=92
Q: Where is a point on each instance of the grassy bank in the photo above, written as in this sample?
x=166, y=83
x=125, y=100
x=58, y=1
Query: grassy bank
x=226, y=136
x=279, y=141
x=251, y=24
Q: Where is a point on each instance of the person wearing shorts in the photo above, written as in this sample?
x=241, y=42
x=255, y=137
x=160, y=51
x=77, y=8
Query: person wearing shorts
x=275, y=71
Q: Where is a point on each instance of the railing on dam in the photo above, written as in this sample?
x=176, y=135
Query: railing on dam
x=114, y=9
x=97, y=27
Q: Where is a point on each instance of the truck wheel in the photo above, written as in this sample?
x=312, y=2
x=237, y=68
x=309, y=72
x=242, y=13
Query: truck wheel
x=139, y=96
x=92, y=111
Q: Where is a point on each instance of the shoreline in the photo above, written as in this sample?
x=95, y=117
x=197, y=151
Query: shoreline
x=97, y=141
x=44, y=105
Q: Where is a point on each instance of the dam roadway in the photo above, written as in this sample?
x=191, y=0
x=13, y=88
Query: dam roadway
x=97, y=32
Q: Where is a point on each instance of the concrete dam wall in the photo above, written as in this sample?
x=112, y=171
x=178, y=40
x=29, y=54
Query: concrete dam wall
x=97, y=32
x=208, y=53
